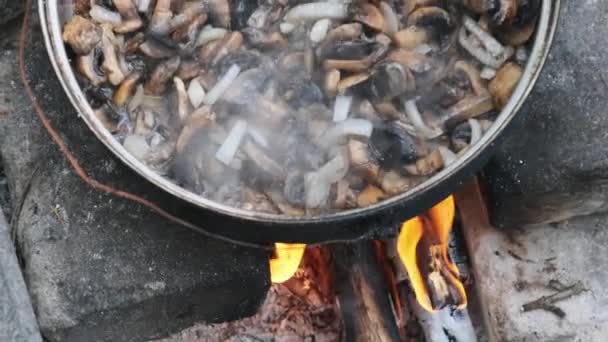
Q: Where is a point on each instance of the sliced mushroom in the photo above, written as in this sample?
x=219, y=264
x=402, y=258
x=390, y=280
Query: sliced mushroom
x=436, y=20
x=264, y=161
x=426, y=166
x=157, y=83
x=473, y=75
x=369, y=15
x=126, y=89
x=220, y=12
x=281, y=202
x=331, y=82
x=411, y=37
x=111, y=64
x=82, y=35
x=391, y=146
x=86, y=66
x=503, y=85
x=370, y=195
x=258, y=202
x=131, y=20
x=467, y=108
x=394, y=183
x=345, y=196
x=160, y=22
x=200, y=119
x=362, y=161
x=184, y=108
x=344, y=32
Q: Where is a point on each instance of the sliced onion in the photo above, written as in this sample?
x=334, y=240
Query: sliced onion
x=316, y=11
x=196, y=93
x=487, y=73
x=319, y=30
x=136, y=145
x=227, y=151
x=476, y=131
x=317, y=190
x=210, y=33
x=342, y=107
x=222, y=85
x=413, y=114
x=258, y=136
x=447, y=155
x=492, y=45
x=143, y=6
x=335, y=169
x=390, y=17
x=103, y=15
x=349, y=127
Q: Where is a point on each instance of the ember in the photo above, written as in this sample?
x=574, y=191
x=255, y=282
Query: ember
x=423, y=249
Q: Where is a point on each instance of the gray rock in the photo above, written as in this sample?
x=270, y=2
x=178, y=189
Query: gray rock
x=99, y=268
x=10, y=9
x=518, y=266
x=17, y=320
x=553, y=163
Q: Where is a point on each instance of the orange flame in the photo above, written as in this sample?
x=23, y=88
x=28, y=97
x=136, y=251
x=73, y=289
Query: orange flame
x=438, y=221
x=285, y=262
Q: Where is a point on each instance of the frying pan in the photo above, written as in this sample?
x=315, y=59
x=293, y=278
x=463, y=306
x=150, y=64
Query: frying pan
x=379, y=219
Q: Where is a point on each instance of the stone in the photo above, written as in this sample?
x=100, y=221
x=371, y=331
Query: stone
x=99, y=268
x=17, y=320
x=10, y=9
x=518, y=266
x=523, y=265
x=552, y=164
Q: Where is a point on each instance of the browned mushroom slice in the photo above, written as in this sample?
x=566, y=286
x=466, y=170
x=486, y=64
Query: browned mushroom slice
x=263, y=160
x=352, y=81
x=369, y=15
x=393, y=183
x=188, y=69
x=231, y=42
x=414, y=61
x=411, y=37
x=126, y=89
x=467, y=108
x=287, y=209
x=347, y=65
x=473, y=75
x=111, y=64
x=426, y=166
x=503, y=85
x=388, y=110
x=361, y=160
x=186, y=35
x=86, y=66
x=435, y=19
x=157, y=83
x=131, y=20
x=344, y=32
x=82, y=34
x=184, y=107
x=370, y=195
x=104, y=115
x=82, y=7
x=220, y=12
x=331, y=81
x=153, y=49
x=264, y=40
x=258, y=202
x=200, y=119
x=386, y=81
x=160, y=23
x=345, y=196
x=521, y=29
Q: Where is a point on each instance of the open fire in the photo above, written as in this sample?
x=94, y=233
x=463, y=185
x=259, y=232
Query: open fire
x=423, y=249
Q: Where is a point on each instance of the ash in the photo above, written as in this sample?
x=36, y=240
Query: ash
x=291, y=312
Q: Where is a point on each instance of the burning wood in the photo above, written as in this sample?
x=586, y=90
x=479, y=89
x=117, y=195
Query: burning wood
x=423, y=249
